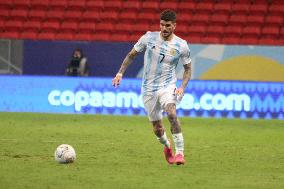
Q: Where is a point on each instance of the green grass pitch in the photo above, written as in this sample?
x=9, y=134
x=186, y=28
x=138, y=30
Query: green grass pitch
x=122, y=152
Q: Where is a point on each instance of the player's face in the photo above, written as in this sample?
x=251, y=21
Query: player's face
x=77, y=54
x=167, y=28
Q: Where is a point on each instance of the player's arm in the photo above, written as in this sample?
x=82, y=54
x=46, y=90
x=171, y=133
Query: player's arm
x=185, y=79
x=126, y=62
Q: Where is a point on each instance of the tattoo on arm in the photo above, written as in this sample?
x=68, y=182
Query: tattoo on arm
x=186, y=75
x=127, y=60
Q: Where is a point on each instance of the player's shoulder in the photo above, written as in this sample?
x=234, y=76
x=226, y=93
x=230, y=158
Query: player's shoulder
x=180, y=40
x=152, y=34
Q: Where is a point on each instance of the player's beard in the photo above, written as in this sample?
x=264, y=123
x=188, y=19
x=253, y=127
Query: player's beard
x=166, y=34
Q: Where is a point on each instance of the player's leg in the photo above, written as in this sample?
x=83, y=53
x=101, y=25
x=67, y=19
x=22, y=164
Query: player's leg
x=168, y=99
x=160, y=132
x=176, y=132
x=154, y=112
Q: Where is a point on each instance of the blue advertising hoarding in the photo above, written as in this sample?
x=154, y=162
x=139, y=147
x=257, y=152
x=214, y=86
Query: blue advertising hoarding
x=229, y=99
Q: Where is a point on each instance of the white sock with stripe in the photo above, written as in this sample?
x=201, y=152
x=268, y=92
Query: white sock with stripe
x=164, y=140
x=179, y=143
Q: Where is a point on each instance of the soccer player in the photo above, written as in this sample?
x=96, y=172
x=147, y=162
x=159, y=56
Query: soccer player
x=163, y=51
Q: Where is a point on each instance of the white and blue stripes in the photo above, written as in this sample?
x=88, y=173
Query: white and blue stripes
x=160, y=60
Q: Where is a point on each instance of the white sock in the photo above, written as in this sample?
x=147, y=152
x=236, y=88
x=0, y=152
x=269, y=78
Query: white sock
x=179, y=143
x=164, y=140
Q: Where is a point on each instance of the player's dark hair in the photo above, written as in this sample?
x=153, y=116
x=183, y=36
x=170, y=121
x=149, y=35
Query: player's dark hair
x=168, y=15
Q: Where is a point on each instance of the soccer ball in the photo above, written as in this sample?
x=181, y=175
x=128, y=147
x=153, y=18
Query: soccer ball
x=64, y=153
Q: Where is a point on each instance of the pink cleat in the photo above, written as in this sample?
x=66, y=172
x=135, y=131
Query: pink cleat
x=169, y=155
x=179, y=159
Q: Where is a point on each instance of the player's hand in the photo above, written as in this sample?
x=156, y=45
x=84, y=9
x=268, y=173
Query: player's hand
x=179, y=93
x=116, y=80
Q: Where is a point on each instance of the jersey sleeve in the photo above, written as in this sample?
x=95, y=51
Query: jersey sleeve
x=141, y=43
x=185, y=55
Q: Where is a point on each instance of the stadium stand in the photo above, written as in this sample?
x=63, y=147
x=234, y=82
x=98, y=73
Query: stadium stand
x=199, y=21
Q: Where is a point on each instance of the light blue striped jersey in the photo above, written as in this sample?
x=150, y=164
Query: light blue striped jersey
x=160, y=60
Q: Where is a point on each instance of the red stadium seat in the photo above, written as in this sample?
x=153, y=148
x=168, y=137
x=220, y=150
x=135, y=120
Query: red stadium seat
x=4, y=14
x=248, y=40
x=32, y=26
x=233, y=31
x=227, y=39
x=64, y=35
x=51, y=26
x=7, y=34
x=211, y=39
x=241, y=8
x=124, y=27
x=114, y=6
x=94, y=5
x=82, y=36
x=200, y=18
x=198, y=29
x=134, y=37
x=45, y=35
x=205, y=7
x=275, y=20
x=12, y=28
x=193, y=38
x=1, y=24
x=147, y=16
x=255, y=19
x=268, y=41
x=29, y=35
x=104, y=26
x=88, y=27
x=119, y=37
x=72, y=15
x=150, y=6
x=21, y=4
x=71, y=26
x=154, y=27
x=188, y=7
x=237, y=19
x=76, y=5
x=276, y=9
x=281, y=32
x=59, y=5
x=222, y=7
x=141, y=27
x=92, y=16
x=127, y=16
x=259, y=9
x=20, y=13
x=108, y=15
x=37, y=15
x=39, y=4
x=169, y=5
x=182, y=29
x=54, y=15
x=7, y=4
x=131, y=5
x=250, y=35
x=215, y=30
x=100, y=36
x=270, y=32
x=185, y=17
x=85, y=31
x=219, y=19
x=252, y=30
